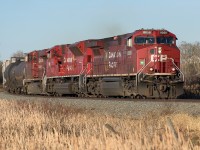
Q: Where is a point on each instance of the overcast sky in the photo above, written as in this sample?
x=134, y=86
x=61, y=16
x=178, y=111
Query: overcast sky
x=29, y=25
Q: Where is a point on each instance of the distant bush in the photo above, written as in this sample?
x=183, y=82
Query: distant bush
x=190, y=60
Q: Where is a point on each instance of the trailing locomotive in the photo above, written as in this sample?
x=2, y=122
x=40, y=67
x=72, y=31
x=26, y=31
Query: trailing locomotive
x=142, y=64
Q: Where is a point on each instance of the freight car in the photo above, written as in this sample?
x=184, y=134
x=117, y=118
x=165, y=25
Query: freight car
x=13, y=77
x=142, y=64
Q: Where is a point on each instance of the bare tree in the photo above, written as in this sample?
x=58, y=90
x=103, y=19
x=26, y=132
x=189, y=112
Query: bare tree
x=190, y=60
x=190, y=65
x=18, y=53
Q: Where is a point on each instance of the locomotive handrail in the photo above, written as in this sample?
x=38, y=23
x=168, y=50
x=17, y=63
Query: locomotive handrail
x=84, y=73
x=43, y=75
x=177, y=68
x=143, y=68
x=44, y=80
x=139, y=72
x=83, y=70
x=88, y=71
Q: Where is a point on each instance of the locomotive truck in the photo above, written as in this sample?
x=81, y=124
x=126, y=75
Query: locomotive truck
x=141, y=64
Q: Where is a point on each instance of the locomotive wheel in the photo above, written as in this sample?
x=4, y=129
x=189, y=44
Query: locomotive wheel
x=138, y=96
x=132, y=96
x=81, y=95
x=144, y=97
x=57, y=95
x=18, y=91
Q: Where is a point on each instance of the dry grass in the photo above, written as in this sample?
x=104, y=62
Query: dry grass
x=41, y=125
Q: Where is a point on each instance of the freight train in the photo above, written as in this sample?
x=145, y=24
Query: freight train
x=141, y=64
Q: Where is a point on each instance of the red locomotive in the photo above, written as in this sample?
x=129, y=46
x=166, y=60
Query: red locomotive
x=142, y=64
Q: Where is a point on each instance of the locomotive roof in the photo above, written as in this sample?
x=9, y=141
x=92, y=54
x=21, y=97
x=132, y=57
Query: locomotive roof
x=141, y=32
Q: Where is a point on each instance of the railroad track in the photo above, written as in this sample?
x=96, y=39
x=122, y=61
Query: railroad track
x=116, y=106
x=187, y=100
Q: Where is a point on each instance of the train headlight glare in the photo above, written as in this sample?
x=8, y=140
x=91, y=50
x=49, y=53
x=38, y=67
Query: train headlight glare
x=173, y=69
x=159, y=50
x=151, y=69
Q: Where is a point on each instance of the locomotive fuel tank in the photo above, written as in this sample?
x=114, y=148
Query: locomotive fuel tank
x=112, y=87
x=34, y=88
x=63, y=88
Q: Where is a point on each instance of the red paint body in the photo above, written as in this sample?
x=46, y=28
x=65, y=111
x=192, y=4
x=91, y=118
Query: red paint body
x=36, y=64
x=61, y=62
x=109, y=56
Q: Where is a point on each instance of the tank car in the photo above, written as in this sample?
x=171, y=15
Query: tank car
x=13, y=74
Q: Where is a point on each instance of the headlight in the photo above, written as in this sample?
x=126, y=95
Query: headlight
x=151, y=69
x=173, y=69
x=159, y=50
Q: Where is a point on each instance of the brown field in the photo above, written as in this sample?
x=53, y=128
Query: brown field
x=42, y=125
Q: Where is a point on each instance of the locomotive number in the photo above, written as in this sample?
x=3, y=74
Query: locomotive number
x=114, y=54
x=41, y=60
x=69, y=59
x=69, y=68
x=112, y=64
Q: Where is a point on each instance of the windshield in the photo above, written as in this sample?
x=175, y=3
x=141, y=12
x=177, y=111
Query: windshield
x=165, y=40
x=144, y=40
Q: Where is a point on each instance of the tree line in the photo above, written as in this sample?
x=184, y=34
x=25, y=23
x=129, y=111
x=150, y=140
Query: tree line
x=190, y=61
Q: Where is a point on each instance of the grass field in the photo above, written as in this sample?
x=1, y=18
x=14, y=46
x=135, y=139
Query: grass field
x=41, y=125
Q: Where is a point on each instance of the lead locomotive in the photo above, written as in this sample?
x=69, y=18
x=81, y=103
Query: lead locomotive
x=142, y=64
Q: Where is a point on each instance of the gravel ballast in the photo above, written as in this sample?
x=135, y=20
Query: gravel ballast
x=135, y=108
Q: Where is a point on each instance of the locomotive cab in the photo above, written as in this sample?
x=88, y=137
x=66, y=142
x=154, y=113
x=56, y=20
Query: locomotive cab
x=158, y=62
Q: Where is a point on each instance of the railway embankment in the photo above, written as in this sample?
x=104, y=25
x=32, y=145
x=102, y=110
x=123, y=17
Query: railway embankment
x=117, y=107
